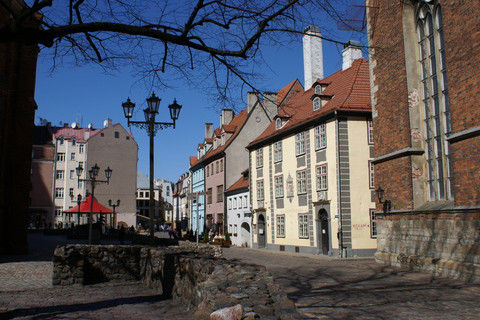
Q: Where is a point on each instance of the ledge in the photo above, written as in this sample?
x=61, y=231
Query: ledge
x=399, y=154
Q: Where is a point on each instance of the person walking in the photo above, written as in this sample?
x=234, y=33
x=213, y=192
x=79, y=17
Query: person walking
x=121, y=235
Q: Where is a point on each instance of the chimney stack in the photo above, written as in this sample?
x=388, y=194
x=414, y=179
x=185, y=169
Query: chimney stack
x=208, y=130
x=351, y=52
x=312, y=55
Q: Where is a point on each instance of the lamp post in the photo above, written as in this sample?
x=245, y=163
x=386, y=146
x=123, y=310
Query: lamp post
x=93, y=173
x=387, y=204
x=113, y=221
x=195, y=197
x=79, y=201
x=151, y=126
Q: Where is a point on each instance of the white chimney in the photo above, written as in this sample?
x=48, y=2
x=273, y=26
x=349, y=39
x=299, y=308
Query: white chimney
x=312, y=55
x=351, y=52
x=208, y=130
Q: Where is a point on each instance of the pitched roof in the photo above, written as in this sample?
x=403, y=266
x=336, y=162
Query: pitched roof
x=243, y=182
x=349, y=89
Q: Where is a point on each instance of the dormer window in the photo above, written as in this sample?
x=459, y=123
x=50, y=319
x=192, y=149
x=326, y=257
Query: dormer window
x=278, y=123
x=318, y=89
x=316, y=102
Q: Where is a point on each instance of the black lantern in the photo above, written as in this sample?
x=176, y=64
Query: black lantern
x=174, y=110
x=128, y=108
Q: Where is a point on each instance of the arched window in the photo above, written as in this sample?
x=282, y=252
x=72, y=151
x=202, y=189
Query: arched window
x=316, y=103
x=434, y=99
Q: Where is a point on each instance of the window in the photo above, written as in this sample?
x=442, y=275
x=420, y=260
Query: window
x=72, y=156
x=220, y=193
x=70, y=192
x=373, y=224
x=234, y=203
x=371, y=175
x=279, y=186
x=277, y=151
x=117, y=134
x=370, y=131
x=216, y=166
x=147, y=194
x=74, y=141
x=281, y=226
x=435, y=105
x=221, y=165
x=260, y=194
x=303, y=225
x=259, y=158
x=58, y=192
x=72, y=174
x=229, y=203
x=102, y=134
x=322, y=182
x=316, y=103
x=245, y=202
x=60, y=157
x=278, y=123
x=60, y=175
x=61, y=141
x=300, y=143
x=318, y=89
x=208, y=170
x=58, y=211
x=81, y=148
x=320, y=137
x=301, y=182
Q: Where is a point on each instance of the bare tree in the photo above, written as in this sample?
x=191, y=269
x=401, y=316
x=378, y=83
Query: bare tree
x=218, y=39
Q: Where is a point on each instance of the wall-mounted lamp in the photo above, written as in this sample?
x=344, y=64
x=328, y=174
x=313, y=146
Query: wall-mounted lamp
x=387, y=204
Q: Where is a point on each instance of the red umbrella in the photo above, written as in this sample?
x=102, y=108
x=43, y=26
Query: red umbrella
x=85, y=207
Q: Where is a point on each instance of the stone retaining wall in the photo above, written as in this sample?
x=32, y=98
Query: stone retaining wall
x=447, y=248
x=196, y=277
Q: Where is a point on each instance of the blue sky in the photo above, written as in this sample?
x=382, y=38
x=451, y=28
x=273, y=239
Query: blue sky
x=87, y=95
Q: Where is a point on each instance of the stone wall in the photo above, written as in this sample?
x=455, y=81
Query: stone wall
x=444, y=247
x=196, y=277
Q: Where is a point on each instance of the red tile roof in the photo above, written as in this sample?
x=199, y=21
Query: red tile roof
x=349, y=88
x=241, y=183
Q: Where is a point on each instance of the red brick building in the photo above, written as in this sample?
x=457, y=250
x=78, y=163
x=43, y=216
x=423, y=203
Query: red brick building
x=17, y=115
x=424, y=66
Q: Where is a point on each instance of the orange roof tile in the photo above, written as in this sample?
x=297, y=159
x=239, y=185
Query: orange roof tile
x=349, y=88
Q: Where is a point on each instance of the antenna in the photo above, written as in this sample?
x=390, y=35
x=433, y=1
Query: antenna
x=79, y=119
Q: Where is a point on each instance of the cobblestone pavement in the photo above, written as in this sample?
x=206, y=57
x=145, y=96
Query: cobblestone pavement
x=321, y=287
x=26, y=292
x=332, y=288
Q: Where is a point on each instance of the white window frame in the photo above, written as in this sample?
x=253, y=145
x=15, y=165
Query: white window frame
x=280, y=225
x=259, y=157
x=60, y=174
x=301, y=182
x=300, y=143
x=260, y=190
x=320, y=136
x=59, y=193
x=279, y=186
x=322, y=177
x=277, y=151
x=303, y=225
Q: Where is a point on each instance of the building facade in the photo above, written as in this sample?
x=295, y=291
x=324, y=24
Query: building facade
x=424, y=93
x=311, y=179
x=143, y=202
x=239, y=213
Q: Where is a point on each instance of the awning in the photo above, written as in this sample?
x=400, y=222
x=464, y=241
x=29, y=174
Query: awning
x=85, y=207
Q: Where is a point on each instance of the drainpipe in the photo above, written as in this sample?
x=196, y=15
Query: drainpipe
x=340, y=231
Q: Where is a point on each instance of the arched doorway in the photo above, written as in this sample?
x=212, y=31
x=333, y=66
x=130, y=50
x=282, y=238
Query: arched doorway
x=261, y=231
x=324, y=236
x=245, y=235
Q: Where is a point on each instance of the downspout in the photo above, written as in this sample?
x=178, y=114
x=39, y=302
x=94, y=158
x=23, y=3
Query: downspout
x=340, y=230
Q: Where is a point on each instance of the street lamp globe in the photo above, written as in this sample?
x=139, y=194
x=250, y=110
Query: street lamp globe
x=174, y=110
x=153, y=103
x=128, y=108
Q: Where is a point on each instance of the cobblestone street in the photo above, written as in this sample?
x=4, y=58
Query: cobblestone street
x=329, y=288
x=322, y=288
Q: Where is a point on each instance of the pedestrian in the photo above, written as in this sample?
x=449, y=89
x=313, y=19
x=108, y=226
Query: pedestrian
x=121, y=235
x=170, y=232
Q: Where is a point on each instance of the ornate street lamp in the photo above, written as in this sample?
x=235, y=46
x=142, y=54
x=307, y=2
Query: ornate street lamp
x=387, y=204
x=153, y=103
x=93, y=173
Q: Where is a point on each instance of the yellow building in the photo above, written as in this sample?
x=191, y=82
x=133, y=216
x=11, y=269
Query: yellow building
x=311, y=180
